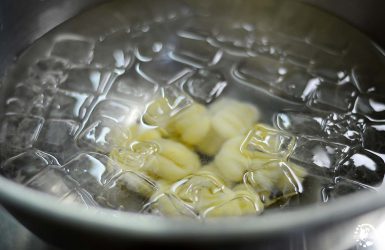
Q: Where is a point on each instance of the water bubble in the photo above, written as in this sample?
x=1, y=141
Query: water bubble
x=259, y=70
x=205, y=86
x=292, y=85
x=57, y=135
x=195, y=53
x=275, y=180
x=133, y=155
x=233, y=38
x=85, y=80
x=319, y=156
x=333, y=97
x=131, y=86
x=199, y=191
x=169, y=205
x=172, y=101
x=329, y=67
x=298, y=53
x=114, y=51
x=364, y=167
x=162, y=70
x=263, y=140
x=300, y=123
x=99, y=135
x=342, y=187
x=28, y=98
x=49, y=71
x=69, y=105
x=128, y=192
x=282, y=79
x=373, y=137
x=73, y=48
x=148, y=45
x=20, y=131
x=23, y=167
x=371, y=106
x=52, y=181
x=267, y=44
x=344, y=128
x=92, y=171
x=108, y=121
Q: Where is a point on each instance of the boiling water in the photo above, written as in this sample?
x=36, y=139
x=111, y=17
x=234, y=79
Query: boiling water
x=310, y=75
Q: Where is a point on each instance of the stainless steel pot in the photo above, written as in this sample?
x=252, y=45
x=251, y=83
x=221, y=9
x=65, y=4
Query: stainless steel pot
x=315, y=227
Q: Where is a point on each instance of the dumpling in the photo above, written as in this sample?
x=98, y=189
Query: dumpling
x=230, y=162
x=191, y=125
x=241, y=202
x=229, y=118
x=132, y=152
x=172, y=161
x=276, y=180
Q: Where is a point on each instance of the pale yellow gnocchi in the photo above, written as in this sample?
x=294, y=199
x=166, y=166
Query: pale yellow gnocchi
x=209, y=161
x=229, y=118
x=172, y=162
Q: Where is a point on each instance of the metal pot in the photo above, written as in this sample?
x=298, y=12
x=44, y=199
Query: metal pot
x=332, y=226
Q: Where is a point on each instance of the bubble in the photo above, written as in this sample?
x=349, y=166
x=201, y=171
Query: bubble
x=263, y=140
x=23, y=167
x=205, y=86
x=196, y=53
x=73, y=48
x=20, y=131
x=319, y=156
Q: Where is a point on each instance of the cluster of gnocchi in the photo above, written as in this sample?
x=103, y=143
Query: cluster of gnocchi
x=200, y=163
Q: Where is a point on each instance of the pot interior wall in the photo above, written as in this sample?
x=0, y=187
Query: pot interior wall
x=23, y=22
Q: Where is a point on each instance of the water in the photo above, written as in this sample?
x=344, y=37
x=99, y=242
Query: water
x=84, y=102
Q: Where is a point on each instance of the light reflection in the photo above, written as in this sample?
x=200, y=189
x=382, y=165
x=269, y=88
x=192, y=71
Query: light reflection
x=311, y=87
x=361, y=160
x=157, y=47
x=379, y=127
x=119, y=58
x=321, y=157
x=377, y=106
x=380, y=240
x=95, y=77
x=365, y=235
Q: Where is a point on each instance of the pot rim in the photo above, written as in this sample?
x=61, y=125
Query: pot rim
x=155, y=227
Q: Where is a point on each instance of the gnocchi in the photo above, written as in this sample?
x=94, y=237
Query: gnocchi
x=210, y=161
